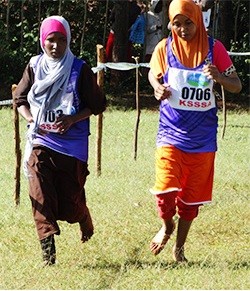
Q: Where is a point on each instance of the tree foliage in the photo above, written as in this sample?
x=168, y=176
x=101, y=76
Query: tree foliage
x=20, y=21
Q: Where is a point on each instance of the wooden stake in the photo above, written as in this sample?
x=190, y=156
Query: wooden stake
x=137, y=108
x=100, y=82
x=17, y=150
x=224, y=108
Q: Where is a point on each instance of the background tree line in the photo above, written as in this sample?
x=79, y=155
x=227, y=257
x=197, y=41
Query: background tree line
x=89, y=20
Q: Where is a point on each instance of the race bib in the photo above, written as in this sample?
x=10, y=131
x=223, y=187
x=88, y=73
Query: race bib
x=191, y=90
x=48, y=121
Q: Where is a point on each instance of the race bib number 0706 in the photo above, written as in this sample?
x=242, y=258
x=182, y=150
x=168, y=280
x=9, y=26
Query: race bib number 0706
x=191, y=90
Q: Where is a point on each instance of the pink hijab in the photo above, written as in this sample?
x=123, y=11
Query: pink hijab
x=50, y=25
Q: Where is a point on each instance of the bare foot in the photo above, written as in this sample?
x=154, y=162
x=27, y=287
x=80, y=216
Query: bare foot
x=160, y=240
x=86, y=227
x=178, y=255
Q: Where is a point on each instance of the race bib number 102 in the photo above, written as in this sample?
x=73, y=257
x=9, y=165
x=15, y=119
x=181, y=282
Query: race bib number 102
x=49, y=122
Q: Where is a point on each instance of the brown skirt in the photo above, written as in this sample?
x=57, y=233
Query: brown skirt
x=57, y=192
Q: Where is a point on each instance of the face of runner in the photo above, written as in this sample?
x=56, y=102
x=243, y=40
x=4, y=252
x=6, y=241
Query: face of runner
x=55, y=45
x=184, y=27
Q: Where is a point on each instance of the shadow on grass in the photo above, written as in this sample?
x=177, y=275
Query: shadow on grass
x=141, y=265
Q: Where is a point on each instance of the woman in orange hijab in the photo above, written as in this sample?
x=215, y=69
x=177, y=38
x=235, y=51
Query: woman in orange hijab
x=183, y=69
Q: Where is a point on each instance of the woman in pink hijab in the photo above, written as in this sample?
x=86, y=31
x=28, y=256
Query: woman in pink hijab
x=57, y=94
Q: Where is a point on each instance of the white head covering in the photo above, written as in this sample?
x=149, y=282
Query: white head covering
x=51, y=79
x=51, y=75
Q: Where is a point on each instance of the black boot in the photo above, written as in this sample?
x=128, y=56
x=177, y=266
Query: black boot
x=48, y=250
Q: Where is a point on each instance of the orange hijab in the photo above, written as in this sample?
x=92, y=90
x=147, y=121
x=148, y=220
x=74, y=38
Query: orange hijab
x=191, y=53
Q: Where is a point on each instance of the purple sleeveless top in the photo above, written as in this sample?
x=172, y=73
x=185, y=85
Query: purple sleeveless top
x=74, y=142
x=188, y=130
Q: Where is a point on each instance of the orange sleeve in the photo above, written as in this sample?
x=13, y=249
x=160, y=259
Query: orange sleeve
x=158, y=62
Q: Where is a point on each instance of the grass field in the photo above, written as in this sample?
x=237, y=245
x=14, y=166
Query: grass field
x=125, y=218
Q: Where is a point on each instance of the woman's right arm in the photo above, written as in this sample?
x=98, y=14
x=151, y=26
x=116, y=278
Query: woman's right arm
x=157, y=71
x=21, y=92
x=161, y=91
x=26, y=114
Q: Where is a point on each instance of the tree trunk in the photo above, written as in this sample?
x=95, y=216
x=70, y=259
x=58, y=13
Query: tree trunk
x=7, y=20
x=22, y=24
x=105, y=23
x=84, y=26
x=120, y=49
x=225, y=22
x=236, y=21
x=60, y=7
x=165, y=17
x=121, y=31
x=39, y=24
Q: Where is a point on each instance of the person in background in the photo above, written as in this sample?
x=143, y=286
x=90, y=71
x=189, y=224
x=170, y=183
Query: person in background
x=137, y=30
x=183, y=70
x=134, y=12
x=205, y=4
x=56, y=96
x=154, y=34
x=206, y=8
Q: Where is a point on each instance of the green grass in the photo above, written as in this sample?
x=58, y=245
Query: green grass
x=125, y=218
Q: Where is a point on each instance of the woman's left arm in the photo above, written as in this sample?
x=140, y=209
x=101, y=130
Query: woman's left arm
x=231, y=82
x=91, y=96
x=222, y=70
